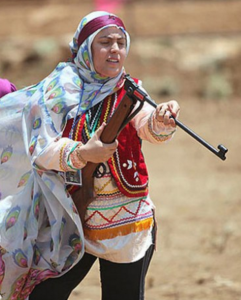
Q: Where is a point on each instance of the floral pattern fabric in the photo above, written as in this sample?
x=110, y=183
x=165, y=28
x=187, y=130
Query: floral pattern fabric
x=41, y=235
x=40, y=231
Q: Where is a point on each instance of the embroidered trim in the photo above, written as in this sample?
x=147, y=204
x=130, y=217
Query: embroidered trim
x=108, y=193
x=122, y=179
x=99, y=190
x=77, y=130
x=107, y=109
x=120, y=202
x=110, y=233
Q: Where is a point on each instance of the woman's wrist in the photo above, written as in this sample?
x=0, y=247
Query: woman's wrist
x=159, y=131
x=76, y=157
x=79, y=151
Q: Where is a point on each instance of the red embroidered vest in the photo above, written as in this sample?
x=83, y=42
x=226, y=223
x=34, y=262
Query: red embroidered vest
x=127, y=165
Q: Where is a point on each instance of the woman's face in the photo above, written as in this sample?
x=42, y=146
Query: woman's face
x=109, y=51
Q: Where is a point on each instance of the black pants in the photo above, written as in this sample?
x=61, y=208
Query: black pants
x=118, y=281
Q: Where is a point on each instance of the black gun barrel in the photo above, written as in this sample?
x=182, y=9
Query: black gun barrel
x=134, y=91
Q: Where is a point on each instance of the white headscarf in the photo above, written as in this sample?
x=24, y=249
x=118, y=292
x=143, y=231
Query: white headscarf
x=96, y=87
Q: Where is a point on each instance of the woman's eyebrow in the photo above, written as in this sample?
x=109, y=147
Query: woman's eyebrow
x=109, y=37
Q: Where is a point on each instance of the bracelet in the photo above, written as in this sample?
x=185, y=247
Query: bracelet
x=75, y=144
x=61, y=157
x=83, y=161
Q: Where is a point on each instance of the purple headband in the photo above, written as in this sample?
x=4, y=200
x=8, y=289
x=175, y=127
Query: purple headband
x=96, y=24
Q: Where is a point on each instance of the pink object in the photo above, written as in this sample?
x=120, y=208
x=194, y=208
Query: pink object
x=108, y=5
x=6, y=87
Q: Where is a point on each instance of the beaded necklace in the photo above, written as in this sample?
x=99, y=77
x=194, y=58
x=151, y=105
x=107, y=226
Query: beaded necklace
x=71, y=133
x=91, y=120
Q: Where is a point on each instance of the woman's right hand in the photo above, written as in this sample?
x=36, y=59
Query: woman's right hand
x=95, y=151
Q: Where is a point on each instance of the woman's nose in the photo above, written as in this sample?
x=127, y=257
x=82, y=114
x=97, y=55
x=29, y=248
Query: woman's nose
x=114, y=47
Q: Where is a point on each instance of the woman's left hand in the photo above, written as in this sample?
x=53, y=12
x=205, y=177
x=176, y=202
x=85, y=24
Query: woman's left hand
x=166, y=110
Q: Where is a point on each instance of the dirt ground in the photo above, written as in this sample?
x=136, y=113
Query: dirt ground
x=197, y=195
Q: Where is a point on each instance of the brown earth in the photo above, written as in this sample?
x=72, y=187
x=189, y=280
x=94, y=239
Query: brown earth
x=180, y=52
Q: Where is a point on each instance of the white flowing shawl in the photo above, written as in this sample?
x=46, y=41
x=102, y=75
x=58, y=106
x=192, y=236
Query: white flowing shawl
x=40, y=230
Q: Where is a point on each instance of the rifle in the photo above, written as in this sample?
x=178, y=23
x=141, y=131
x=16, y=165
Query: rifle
x=134, y=91
x=122, y=115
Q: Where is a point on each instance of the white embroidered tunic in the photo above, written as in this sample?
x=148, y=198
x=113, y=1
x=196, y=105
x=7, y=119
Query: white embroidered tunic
x=117, y=228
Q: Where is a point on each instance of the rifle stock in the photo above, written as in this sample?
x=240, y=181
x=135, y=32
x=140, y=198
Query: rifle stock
x=122, y=115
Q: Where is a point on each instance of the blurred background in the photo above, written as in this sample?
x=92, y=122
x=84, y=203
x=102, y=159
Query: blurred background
x=189, y=50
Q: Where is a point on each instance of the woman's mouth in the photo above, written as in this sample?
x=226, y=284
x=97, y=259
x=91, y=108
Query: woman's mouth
x=112, y=60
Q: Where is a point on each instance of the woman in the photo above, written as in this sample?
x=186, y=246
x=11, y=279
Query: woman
x=63, y=117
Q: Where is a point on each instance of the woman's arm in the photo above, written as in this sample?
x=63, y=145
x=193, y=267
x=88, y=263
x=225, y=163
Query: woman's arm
x=65, y=154
x=61, y=155
x=155, y=125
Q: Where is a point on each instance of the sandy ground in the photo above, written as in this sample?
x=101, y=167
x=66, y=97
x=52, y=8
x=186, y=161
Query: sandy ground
x=197, y=195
